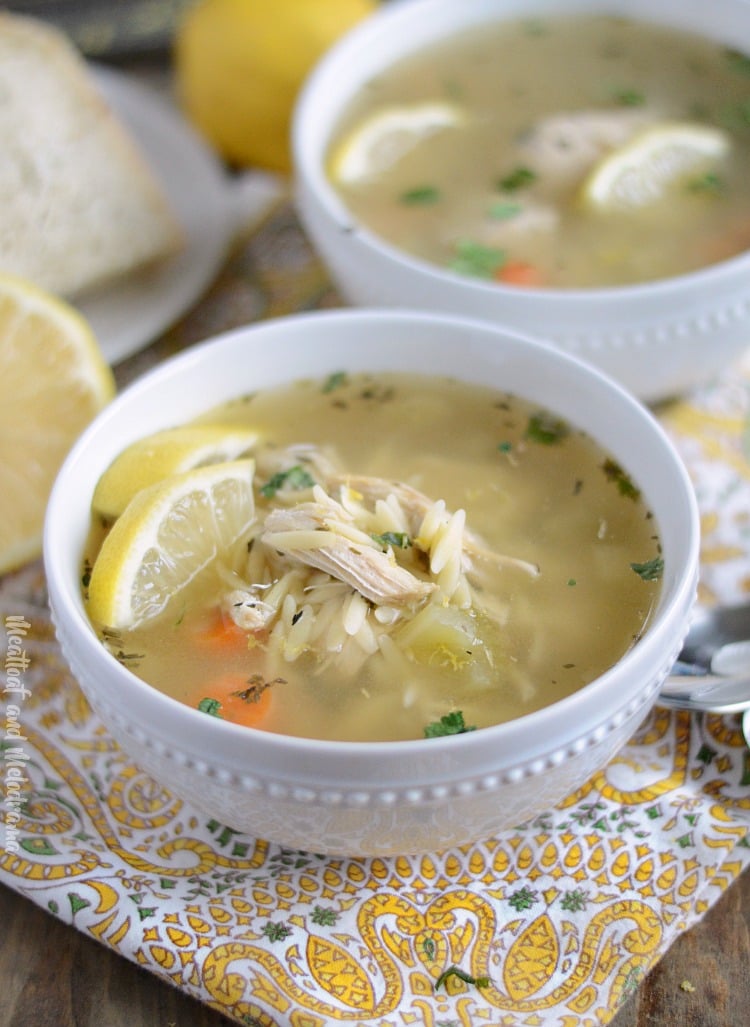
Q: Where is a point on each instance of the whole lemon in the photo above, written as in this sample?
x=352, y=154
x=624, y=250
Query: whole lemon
x=239, y=65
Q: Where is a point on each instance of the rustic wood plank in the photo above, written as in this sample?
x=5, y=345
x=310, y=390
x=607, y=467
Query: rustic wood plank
x=713, y=959
x=52, y=974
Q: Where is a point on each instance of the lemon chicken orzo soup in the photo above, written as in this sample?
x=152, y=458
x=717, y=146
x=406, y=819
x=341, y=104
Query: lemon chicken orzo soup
x=381, y=557
x=571, y=152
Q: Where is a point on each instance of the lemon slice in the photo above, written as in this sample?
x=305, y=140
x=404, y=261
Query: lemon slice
x=656, y=159
x=53, y=380
x=171, y=451
x=166, y=536
x=383, y=138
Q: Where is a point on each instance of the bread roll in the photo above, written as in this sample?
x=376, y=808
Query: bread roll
x=79, y=206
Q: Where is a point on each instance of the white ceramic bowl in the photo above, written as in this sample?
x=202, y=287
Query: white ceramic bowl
x=657, y=339
x=375, y=798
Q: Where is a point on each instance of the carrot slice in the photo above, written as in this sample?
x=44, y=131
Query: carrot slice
x=221, y=634
x=237, y=698
x=518, y=272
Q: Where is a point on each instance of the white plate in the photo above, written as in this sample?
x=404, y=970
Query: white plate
x=129, y=314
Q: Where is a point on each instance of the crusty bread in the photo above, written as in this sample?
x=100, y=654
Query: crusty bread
x=78, y=203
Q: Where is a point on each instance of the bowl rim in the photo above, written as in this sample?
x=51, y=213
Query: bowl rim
x=400, y=17
x=70, y=617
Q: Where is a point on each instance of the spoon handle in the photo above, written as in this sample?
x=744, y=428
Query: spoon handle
x=707, y=693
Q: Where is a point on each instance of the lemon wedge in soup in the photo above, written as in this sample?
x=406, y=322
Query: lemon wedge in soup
x=168, y=534
x=382, y=139
x=171, y=451
x=652, y=163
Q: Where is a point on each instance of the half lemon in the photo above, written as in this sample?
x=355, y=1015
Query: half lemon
x=53, y=381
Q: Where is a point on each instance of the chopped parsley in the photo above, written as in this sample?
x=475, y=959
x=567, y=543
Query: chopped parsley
x=628, y=97
x=736, y=116
x=621, y=478
x=738, y=61
x=546, y=428
x=449, y=724
x=503, y=210
x=421, y=196
x=211, y=707
x=519, y=178
x=708, y=183
x=296, y=478
x=334, y=381
x=398, y=539
x=651, y=570
x=472, y=258
x=456, y=971
x=535, y=27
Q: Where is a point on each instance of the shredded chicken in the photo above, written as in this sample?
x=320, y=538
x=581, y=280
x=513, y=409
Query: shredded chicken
x=534, y=219
x=416, y=504
x=247, y=609
x=320, y=536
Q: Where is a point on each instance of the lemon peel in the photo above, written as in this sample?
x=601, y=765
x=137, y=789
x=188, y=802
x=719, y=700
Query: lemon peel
x=157, y=456
x=54, y=379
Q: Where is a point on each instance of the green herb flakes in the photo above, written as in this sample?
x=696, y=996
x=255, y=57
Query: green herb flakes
x=449, y=724
x=735, y=116
x=535, y=27
x=628, y=97
x=334, y=381
x=615, y=473
x=476, y=260
x=211, y=707
x=504, y=210
x=651, y=570
x=708, y=183
x=738, y=61
x=296, y=479
x=462, y=975
x=546, y=428
x=519, y=178
x=421, y=196
x=397, y=539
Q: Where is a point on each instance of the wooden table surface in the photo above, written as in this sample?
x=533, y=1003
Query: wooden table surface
x=50, y=974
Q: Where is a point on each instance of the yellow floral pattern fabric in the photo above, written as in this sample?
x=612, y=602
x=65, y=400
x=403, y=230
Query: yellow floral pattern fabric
x=553, y=923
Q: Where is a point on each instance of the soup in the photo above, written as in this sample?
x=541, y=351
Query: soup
x=425, y=557
x=587, y=151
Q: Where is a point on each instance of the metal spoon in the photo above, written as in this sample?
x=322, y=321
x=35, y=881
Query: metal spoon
x=712, y=672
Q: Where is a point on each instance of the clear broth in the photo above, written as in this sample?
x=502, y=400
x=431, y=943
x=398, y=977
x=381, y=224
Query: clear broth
x=531, y=488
